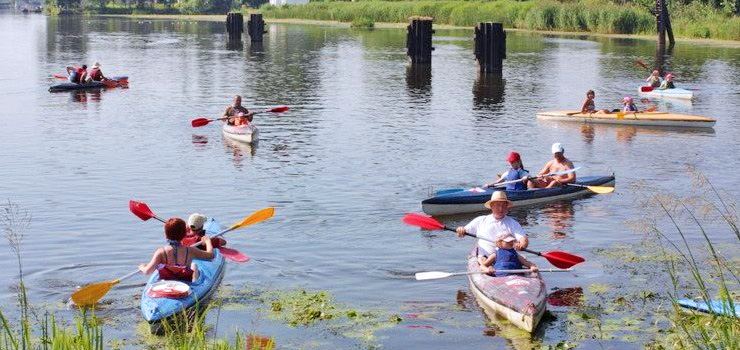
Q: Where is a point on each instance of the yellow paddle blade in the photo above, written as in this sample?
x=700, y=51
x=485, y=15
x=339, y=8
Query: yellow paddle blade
x=600, y=189
x=258, y=216
x=91, y=293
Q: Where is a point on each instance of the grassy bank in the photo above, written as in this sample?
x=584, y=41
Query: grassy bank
x=689, y=21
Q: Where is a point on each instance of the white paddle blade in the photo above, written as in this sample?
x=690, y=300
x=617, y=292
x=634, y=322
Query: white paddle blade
x=431, y=275
x=589, y=269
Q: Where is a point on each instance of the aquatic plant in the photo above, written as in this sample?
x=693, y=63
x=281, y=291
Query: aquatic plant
x=363, y=22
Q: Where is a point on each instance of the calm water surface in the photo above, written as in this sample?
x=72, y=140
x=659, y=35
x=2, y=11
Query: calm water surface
x=366, y=139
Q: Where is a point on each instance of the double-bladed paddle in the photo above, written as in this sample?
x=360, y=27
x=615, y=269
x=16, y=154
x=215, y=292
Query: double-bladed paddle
x=91, y=293
x=561, y=172
x=558, y=259
x=142, y=211
x=205, y=121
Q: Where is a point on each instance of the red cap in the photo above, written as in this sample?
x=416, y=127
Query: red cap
x=513, y=156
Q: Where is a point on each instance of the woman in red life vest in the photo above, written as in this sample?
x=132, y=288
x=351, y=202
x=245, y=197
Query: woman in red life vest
x=175, y=262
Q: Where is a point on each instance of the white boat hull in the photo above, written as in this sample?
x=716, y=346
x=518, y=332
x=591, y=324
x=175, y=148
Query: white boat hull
x=245, y=136
x=595, y=119
x=681, y=94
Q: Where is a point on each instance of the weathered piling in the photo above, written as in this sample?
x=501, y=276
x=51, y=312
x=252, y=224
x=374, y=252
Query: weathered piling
x=490, y=47
x=489, y=91
x=234, y=25
x=419, y=80
x=419, y=40
x=256, y=27
x=663, y=21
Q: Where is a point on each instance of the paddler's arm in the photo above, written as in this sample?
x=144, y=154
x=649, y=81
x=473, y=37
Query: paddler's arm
x=584, y=105
x=521, y=242
x=532, y=267
x=156, y=258
x=204, y=254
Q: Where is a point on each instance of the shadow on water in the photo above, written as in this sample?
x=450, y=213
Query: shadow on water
x=419, y=81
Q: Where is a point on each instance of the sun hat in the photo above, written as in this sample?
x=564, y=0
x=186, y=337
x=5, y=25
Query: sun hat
x=557, y=148
x=196, y=221
x=505, y=236
x=513, y=156
x=498, y=196
x=96, y=65
x=628, y=99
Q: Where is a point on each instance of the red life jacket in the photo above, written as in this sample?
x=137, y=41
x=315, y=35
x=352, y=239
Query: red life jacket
x=96, y=74
x=192, y=238
x=79, y=71
x=178, y=272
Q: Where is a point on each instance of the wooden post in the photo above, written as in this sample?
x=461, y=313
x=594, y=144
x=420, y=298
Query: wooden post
x=663, y=21
x=234, y=25
x=419, y=40
x=255, y=27
x=490, y=47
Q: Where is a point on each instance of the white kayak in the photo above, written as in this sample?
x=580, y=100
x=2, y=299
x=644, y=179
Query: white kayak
x=242, y=133
x=682, y=94
x=631, y=118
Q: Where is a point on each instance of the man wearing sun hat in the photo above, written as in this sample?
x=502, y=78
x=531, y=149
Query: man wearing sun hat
x=96, y=74
x=490, y=226
x=558, y=163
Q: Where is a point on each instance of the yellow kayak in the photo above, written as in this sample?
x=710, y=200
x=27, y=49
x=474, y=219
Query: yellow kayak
x=631, y=118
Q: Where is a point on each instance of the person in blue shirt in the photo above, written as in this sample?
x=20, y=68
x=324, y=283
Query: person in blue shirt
x=505, y=257
x=516, y=172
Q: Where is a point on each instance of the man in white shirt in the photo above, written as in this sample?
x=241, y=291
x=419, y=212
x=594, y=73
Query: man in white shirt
x=489, y=226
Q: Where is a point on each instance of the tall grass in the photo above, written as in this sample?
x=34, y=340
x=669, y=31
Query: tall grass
x=711, y=278
x=598, y=16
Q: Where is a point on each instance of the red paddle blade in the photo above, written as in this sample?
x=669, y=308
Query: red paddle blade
x=200, y=122
x=141, y=210
x=60, y=76
x=563, y=260
x=233, y=255
x=646, y=88
x=280, y=109
x=422, y=221
x=110, y=83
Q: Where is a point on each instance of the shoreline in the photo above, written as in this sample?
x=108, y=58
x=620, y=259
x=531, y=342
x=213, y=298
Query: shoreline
x=391, y=25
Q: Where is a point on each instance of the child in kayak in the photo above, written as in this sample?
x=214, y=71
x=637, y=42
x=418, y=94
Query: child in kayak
x=196, y=232
x=589, y=106
x=629, y=105
x=516, y=172
x=175, y=262
x=237, y=113
x=654, y=79
x=505, y=257
x=667, y=83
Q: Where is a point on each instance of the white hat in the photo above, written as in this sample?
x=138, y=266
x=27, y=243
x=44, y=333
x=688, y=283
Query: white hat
x=505, y=236
x=557, y=148
x=196, y=221
x=498, y=196
x=96, y=65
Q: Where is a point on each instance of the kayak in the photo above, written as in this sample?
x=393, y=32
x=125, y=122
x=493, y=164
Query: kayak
x=630, y=118
x=91, y=85
x=242, y=133
x=717, y=307
x=682, y=94
x=158, y=308
x=520, y=299
x=472, y=200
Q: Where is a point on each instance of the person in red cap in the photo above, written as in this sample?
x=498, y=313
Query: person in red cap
x=516, y=172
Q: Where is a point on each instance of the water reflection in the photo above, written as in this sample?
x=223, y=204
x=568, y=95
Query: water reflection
x=199, y=140
x=488, y=91
x=625, y=134
x=235, y=44
x=498, y=326
x=82, y=96
x=256, y=49
x=559, y=218
x=239, y=151
x=419, y=81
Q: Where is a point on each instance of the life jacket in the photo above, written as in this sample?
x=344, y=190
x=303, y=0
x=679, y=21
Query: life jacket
x=241, y=121
x=630, y=108
x=96, y=74
x=79, y=71
x=178, y=272
x=506, y=259
x=193, y=238
x=515, y=174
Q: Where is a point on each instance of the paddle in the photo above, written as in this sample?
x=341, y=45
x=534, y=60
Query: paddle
x=144, y=213
x=646, y=88
x=559, y=259
x=205, y=121
x=433, y=275
x=642, y=64
x=595, y=189
x=91, y=293
x=561, y=172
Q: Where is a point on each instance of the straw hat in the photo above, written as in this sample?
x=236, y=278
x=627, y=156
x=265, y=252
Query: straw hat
x=96, y=65
x=498, y=196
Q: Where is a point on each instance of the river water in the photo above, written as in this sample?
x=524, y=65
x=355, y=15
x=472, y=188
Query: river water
x=366, y=139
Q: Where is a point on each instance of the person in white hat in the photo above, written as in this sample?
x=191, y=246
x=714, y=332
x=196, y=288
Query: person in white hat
x=96, y=74
x=505, y=257
x=557, y=163
x=489, y=226
x=196, y=230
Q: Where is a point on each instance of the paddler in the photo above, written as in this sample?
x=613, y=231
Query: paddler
x=489, y=226
x=558, y=163
x=196, y=232
x=589, y=106
x=516, y=172
x=629, y=105
x=175, y=262
x=667, y=83
x=505, y=257
x=654, y=78
x=236, y=114
x=96, y=74
x=77, y=75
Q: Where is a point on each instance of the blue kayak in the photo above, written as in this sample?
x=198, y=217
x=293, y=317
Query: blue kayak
x=472, y=200
x=74, y=86
x=717, y=307
x=156, y=309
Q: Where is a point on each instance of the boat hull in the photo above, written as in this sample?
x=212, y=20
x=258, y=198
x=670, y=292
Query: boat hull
x=473, y=200
x=639, y=118
x=89, y=86
x=246, y=134
x=211, y=272
x=520, y=299
x=681, y=94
